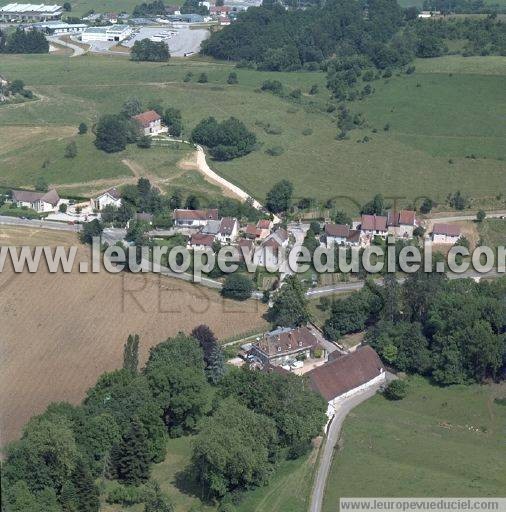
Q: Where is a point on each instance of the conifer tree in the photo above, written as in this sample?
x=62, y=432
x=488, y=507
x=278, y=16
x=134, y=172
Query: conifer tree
x=68, y=497
x=216, y=368
x=85, y=489
x=131, y=353
x=131, y=457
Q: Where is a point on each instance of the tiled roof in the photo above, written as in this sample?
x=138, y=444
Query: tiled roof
x=286, y=341
x=402, y=217
x=345, y=373
x=27, y=196
x=446, y=229
x=337, y=230
x=264, y=224
x=146, y=118
x=211, y=214
x=201, y=239
x=227, y=226
x=374, y=223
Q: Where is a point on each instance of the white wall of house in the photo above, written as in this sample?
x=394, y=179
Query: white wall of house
x=104, y=200
x=444, y=239
x=229, y=238
x=333, y=404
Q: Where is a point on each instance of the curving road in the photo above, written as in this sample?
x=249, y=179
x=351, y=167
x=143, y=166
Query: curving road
x=78, y=50
x=332, y=438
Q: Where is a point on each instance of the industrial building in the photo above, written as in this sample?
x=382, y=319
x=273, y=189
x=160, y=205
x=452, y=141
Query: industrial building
x=30, y=12
x=57, y=27
x=111, y=33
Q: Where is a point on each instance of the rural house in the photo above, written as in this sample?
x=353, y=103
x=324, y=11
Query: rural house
x=283, y=345
x=401, y=223
x=229, y=228
x=109, y=197
x=444, y=233
x=272, y=250
x=150, y=122
x=252, y=232
x=194, y=218
x=341, y=234
x=212, y=227
x=373, y=225
x=347, y=375
x=39, y=201
x=200, y=242
x=265, y=226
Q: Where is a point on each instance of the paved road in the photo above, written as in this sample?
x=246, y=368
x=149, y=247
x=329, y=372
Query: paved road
x=332, y=437
x=37, y=223
x=443, y=217
x=78, y=50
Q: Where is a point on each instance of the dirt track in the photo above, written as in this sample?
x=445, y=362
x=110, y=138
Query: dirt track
x=61, y=331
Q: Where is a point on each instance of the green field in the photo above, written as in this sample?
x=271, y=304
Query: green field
x=435, y=442
x=288, y=490
x=493, y=232
x=433, y=118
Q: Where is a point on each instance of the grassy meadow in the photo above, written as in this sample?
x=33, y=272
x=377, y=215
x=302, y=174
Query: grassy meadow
x=435, y=442
x=449, y=109
x=493, y=232
x=288, y=491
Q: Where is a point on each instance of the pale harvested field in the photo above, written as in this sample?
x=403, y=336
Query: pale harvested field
x=59, y=332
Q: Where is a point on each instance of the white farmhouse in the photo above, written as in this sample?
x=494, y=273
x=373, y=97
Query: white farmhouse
x=109, y=197
x=149, y=122
x=401, y=223
x=194, y=218
x=444, y=233
x=39, y=201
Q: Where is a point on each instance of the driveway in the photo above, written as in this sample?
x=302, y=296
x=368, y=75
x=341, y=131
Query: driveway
x=331, y=440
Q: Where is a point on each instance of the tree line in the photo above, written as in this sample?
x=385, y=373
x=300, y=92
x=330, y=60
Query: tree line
x=21, y=41
x=243, y=421
x=452, y=331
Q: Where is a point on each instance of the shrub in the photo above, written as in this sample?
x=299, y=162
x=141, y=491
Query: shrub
x=307, y=131
x=396, y=390
x=71, y=150
x=237, y=287
x=83, y=128
x=232, y=78
x=275, y=151
x=188, y=77
x=144, y=142
x=296, y=94
x=202, y=78
x=274, y=86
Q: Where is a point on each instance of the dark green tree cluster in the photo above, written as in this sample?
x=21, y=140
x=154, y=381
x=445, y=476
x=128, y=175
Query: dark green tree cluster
x=352, y=314
x=173, y=120
x=262, y=417
x=154, y=8
x=452, y=331
x=279, y=198
x=290, y=306
x=226, y=140
x=151, y=51
x=21, y=41
x=237, y=287
x=114, y=131
x=245, y=422
x=194, y=7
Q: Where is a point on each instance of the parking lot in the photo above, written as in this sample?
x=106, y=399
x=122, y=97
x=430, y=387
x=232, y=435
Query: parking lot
x=180, y=38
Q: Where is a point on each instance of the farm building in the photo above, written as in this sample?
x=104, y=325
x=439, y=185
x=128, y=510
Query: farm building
x=39, y=201
x=443, y=233
x=150, y=122
x=30, y=12
x=401, y=223
x=109, y=197
x=283, y=345
x=347, y=375
x=111, y=33
x=194, y=218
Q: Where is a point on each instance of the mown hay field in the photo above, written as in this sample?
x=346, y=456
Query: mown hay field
x=61, y=331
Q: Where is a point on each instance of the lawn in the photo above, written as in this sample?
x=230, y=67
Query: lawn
x=433, y=117
x=493, y=232
x=435, y=442
x=288, y=490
